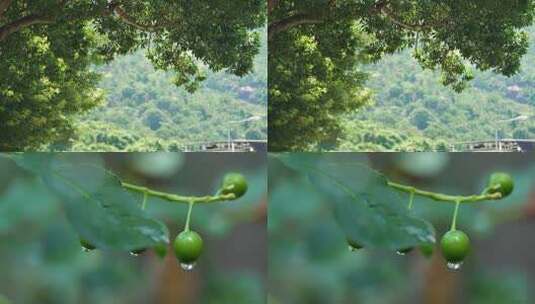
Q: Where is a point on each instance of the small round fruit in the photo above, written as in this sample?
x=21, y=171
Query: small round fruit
x=86, y=246
x=502, y=183
x=161, y=250
x=455, y=246
x=234, y=183
x=427, y=249
x=188, y=246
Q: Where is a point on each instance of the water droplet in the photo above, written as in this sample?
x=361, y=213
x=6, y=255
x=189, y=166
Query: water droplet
x=454, y=266
x=352, y=249
x=187, y=266
x=86, y=246
x=137, y=252
x=399, y=252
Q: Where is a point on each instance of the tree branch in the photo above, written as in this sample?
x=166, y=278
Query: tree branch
x=271, y=5
x=396, y=20
x=289, y=22
x=23, y=22
x=379, y=8
x=121, y=13
x=4, y=5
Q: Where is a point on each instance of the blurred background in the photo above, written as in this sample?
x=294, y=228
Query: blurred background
x=41, y=260
x=309, y=260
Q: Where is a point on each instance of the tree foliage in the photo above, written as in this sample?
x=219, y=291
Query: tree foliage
x=47, y=47
x=318, y=242
x=144, y=111
x=445, y=35
x=404, y=90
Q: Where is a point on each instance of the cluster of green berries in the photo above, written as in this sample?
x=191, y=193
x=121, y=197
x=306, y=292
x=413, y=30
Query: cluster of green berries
x=188, y=244
x=455, y=244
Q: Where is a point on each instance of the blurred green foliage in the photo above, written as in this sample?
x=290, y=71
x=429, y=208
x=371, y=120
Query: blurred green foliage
x=305, y=235
x=361, y=201
x=42, y=261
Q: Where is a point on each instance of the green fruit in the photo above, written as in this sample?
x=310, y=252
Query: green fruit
x=234, y=183
x=161, y=250
x=455, y=246
x=86, y=246
x=427, y=249
x=353, y=245
x=502, y=183
x=188, y=247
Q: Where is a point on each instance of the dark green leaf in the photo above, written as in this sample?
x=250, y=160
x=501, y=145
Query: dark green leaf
x=99, y=208
x=370, y=212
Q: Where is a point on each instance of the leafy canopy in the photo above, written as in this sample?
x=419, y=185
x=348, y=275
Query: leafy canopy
x=446, y=35
x=47, y=48
x=411, y=103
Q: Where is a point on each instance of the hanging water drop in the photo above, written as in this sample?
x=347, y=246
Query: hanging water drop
x=404, y=251
x=86, y=246
x=352, y=249
x=454, y=266
x=187, y=266
x=353, y=245
x=137, y=252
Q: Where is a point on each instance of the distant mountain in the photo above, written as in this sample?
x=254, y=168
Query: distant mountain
x=144, y=110
x=412, y=106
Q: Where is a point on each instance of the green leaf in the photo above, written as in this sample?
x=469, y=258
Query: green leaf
x=25, y=201
x=36, y=163
x=370, y=212
x=98, y=207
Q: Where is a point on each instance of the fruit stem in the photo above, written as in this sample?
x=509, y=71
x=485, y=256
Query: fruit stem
x=190, y=207
x=178, y=198
x=454, y=220
x=444, y=197
x=411, y=199
x=144, y=203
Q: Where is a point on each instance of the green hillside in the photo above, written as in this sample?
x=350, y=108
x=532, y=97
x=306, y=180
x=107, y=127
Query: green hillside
x=412, y=110
x=145, y=111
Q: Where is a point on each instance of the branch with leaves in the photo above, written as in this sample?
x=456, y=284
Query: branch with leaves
x=59, y=41
x=369, y=207
x=106, y=215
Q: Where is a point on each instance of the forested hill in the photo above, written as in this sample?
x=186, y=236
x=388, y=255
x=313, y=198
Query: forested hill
x=413, y=110
x=145, y=111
